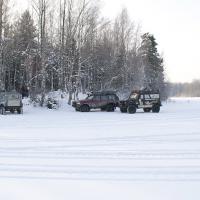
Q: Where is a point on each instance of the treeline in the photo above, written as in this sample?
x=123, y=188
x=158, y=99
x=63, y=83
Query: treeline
x=185, y=89
x=67, y=45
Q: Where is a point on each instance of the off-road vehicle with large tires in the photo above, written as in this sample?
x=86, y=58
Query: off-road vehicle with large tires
x=11, y=101
x=104, y=100
x=142, y=99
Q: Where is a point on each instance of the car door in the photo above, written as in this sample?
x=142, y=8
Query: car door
x=104, y=100
x=147, y=100
x=89, y=101
x=96, y=102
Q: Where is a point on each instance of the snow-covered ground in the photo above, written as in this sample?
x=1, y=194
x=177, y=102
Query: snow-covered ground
x=67, y=155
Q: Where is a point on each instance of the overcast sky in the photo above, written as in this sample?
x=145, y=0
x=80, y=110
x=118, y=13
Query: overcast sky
x=176, y=26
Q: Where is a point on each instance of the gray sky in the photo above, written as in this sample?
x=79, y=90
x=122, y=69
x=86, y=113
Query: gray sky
x=175, y=24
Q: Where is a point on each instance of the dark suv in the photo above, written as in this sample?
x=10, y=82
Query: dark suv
x=105, y=100
x=147, y=100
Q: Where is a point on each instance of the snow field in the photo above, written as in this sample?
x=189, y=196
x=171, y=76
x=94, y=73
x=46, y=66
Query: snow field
x=63, y=154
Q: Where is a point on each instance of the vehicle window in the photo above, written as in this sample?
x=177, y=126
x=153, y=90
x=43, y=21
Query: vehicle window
x=13, y=96
x=116, y=97
x=134, y=96
x=104, y=97
x=111, y=97
x=97, y=98
x=154, y=96
x=147, y=96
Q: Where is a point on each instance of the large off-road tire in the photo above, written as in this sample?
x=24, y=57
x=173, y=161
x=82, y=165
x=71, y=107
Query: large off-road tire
x=156, y=109
x=49, y=106
x=85, y=108
x=20, y=110
x=110, y=108
x=132, y=109
x=77, y=109
x=147, y=109
x=2, y=110
x=123, y=109
x=103, y=109
x=12, y=111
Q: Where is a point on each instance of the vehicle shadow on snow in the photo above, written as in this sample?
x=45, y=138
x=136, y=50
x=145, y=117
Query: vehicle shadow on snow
x=119, y=112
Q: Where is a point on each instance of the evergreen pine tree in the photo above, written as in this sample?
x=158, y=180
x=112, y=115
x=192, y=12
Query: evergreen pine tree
x=152, y=63
x=25, y=32
x=19, y=51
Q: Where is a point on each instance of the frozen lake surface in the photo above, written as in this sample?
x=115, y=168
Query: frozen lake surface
x=63, y=154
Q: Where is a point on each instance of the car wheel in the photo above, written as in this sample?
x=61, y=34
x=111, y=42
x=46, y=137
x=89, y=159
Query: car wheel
x=12, y=111
x=85, y=108
x=20, y=110
x=156, y=109
x=2, y=111
x=110, y=108
x=131, y=109
x=103, y=109
x=123, y=109
x=147, y=109
x=77, y=109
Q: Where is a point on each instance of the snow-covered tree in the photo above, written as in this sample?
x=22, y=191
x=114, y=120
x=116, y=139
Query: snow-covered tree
x=68, y=46
x=3, y=40
x=152, y=63
x=25, y=45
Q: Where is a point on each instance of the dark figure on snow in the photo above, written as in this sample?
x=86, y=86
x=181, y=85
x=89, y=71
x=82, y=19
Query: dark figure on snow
x=24, y=91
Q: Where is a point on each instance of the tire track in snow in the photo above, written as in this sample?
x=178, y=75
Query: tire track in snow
x=153, y=173
x=121, y=138
x=103, y=155
x=102, y=174
x=110, y=141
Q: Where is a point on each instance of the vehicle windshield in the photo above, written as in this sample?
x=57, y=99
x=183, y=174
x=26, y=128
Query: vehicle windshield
x=90, y=97
x=13, y=96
